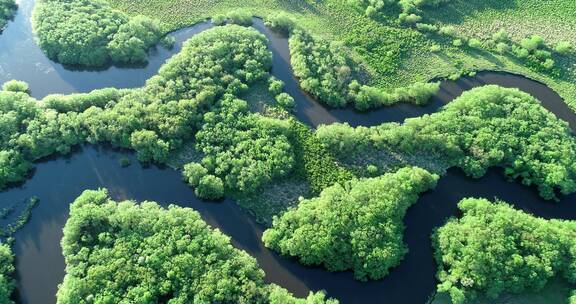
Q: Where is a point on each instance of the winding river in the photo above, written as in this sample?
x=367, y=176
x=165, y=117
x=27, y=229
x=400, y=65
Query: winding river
x=57, y=182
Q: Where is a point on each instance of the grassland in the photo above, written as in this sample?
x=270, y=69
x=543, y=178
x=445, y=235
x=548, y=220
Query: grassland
x=395, y=56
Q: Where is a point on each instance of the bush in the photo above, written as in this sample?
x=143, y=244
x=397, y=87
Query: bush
x=193, y=172
x=285, y=100
x=563, y=47
x=475, y=43
x=210, y=187
x=501, y=36
x=281, y=21
x=16, y=86
x=131, y=42
x=357, y=225
x=240, y=17
x=494, y=249
x=219, y=20
x=502, y=47
x=275, y=86
x=532, y=43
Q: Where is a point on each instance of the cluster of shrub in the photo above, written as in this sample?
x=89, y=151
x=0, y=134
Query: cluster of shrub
x=327, y=71
x=494, y=249
x=484, y=127
x=532, y=50
x=193, y=93
x=355, y=225
x=411, y=11
x=7, y=10
x=90, y=33
x=142, y=253
x=238, y=16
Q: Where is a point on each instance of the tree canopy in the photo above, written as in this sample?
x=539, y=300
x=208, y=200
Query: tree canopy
x=484, y=127
x=7, y=283
x=90, y=33
x=357, y=225
x=494, y=249
x=7, y=9
x=194, y=88
x=142, y=253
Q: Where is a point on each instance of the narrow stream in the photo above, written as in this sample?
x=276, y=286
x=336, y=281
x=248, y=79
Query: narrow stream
x=57, y=182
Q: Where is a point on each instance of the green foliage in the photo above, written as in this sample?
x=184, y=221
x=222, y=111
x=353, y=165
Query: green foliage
x=494, y=249
x=8, y=231
x=275, y=86
x=245, y=149
x=281, y=21
x=326, y=71
x=484, y=127
x=313, y=162
x=219, y=20
x=563, y=47
x=7, y=283
x=193, y=172
x=323, y=68
x=142, y=253
x=532, y=43
x=158, y=118
x=210, y=187
x=285, y=100
x=357, y=225
x=240, y=17
x=369, y=97
x=16, y=86
x=149, y=147
x=7, y=10
x=90, y=33
x=130, y=43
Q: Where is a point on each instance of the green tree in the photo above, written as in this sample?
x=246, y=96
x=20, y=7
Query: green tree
x=142, y=253
x=357, y=225
x=494, y=249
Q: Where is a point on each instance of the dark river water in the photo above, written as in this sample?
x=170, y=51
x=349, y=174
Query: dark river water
x=57, y=182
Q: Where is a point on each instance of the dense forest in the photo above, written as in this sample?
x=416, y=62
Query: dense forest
x=484, y=127
x=90, y=33
x=162, y=116
x=357, y=225
x=353, y=185
x=7, y=10
x=494, y=249
x=142, y=253
x=7, y=283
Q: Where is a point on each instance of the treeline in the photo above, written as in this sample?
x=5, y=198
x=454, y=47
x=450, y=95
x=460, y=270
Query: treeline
x=411, y=11
x=494, y=249
x=90, y=33
x=142, y=253
x=484, y=127
x=326, y=71
x=357, y=225
x=532, y=51
x=7, y=10
x=158, y=118
x=7, y=283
